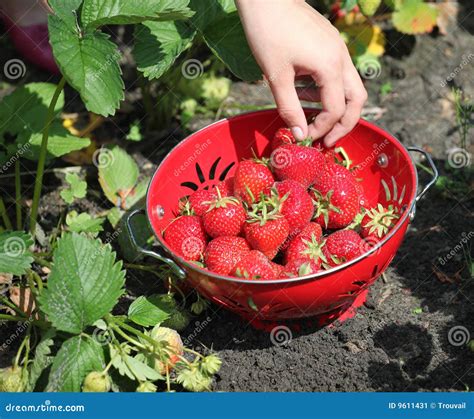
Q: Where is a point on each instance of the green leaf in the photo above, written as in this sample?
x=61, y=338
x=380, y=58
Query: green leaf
x=42, y=359
x=348, y=5
x=158, y=44
x=121, y=12
x=66, y=11
x=118, y=173
x=210, y=11
x=15, y=254
x=77, y=189
x=84, y=223
x=414, y=17
x=85, y=283
x=149, y=311
x=227, y=41
x=137, y=193
x=90, y=64
x=132, y=367
x=77, y=357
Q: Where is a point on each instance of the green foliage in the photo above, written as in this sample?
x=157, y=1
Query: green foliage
x=15, y=254
x=84, y=223
x=134, y=134
x=149, y=311
x=22, y=118
x=43, y=358
x=77, y=357
x=85, y=283
x=77, y=188
x=414, y=17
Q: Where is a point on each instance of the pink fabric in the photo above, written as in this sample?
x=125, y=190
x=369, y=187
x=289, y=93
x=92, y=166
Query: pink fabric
x=32, y=43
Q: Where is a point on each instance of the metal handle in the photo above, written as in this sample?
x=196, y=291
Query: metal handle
x=171, y=263
x=430, y=183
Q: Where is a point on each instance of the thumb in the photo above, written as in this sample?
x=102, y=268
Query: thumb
x=289, y=106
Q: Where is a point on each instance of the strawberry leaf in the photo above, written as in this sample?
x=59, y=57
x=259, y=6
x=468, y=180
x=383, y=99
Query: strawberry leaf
x=84, y=223
x=85, y=283
x=77, y=188
x=77, y=357
x=158, y=44
x=121, y=12
x=149, y=311
x=89, y=62
x=414, y=16
x=42, y=359
x=15, y=256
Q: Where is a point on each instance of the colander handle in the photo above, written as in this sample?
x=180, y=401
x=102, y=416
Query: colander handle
x=432, y=181
x=128, y=223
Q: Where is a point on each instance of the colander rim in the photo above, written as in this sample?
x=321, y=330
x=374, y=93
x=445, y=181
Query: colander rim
x=317, y=275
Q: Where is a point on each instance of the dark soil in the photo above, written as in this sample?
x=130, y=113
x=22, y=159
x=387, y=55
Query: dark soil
x=398, y=341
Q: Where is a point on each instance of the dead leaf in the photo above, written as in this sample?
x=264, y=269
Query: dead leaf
x=444, y=278
x=24, y=299
x=447, y=14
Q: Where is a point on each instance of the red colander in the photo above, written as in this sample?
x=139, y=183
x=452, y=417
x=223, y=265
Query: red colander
x=210, y=155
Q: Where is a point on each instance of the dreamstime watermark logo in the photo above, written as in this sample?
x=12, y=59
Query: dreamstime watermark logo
x=458, y=336
x=281, y=335
x=192, y=69
x=377, y=150
x=102, y=158
x=102, y=337
x=466, y=60
x=16, y=334
x=368, y=244
x=13, y=159
x=280, y=158
x=14, y=69
x=370, y=68
x=198, y=150
x=200, y=326
x=458, y=157
x=466, y=237
x=14, y=247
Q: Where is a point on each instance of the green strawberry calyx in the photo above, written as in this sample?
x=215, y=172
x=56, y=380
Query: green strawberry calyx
x=323, y=206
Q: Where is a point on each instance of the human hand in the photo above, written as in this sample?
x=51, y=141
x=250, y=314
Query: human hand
x=289, y=40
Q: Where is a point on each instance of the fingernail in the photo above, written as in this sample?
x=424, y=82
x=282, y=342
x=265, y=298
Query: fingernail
x=297, y=133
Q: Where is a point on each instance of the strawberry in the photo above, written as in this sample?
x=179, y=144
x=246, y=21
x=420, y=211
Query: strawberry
x=224, y=217
x=226, y=187
x=278, y=270
x=266, y=229
x=185, y=235
x=251, y=178
x=299, y=162
x=224, y=252
x=336, y=198
x=308, y=248
x=198, y=201
x=342, y=246
x=301, y=267
x=297, y=206
x=282, y=136
x=173, y=351
x=377, y=222
x=254, y=265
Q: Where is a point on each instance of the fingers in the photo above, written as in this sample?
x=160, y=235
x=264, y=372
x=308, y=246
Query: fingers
x=356, y=96
x=289, y=106
x=331, y=91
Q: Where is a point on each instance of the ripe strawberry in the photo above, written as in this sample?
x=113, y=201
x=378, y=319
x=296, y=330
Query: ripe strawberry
x=224, y=252
x=299, y=162
x=173, y=351
x=336, y=198
x=301, y=267
x=185, y=235
x=254, y=265
x=226, y=187
x=266, y=229
x=278, y=270
x=282, y=136
x=369, y=7
x=308, y=248
x=198, y=201
x=296, y=204
x=377, y=222
x=251, y=178
x=342, y=246
x=224, y=217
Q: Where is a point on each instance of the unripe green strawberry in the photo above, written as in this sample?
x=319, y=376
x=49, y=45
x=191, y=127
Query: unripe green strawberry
x=369, y=7
x=96, y=382
x=11, y=380
x=146, y=387
x=177, y=321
